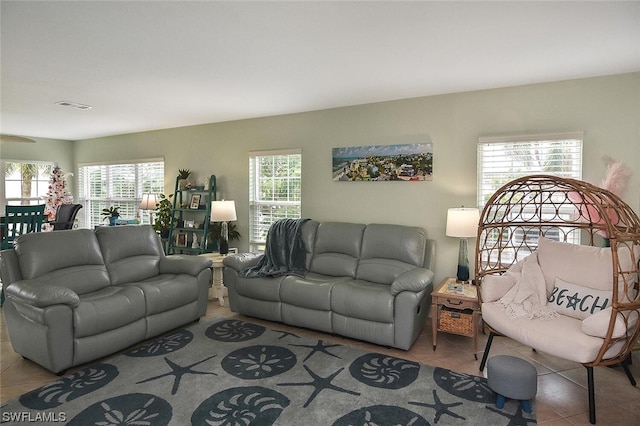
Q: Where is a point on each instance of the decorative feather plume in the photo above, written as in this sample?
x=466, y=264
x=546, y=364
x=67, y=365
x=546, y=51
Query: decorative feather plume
x=617, y=176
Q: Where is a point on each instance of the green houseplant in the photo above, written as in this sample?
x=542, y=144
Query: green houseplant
x=215, y=229
x=163, y=216
x=183, y=176
x=112, y=214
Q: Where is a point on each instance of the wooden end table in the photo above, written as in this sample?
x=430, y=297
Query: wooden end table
x=456, y=310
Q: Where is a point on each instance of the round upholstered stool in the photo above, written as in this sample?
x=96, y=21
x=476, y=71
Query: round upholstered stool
x=513, y=378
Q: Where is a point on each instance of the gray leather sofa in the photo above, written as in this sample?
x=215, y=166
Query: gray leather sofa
x=368, y=282
x=78, y=295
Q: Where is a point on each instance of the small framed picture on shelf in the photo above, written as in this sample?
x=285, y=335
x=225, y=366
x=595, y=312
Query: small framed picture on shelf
x=181, y=239
x=195, y=201
x=189, y=224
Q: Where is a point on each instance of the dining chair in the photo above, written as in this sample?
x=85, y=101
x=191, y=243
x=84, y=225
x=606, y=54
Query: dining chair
x=19, y=220
x=65, y=216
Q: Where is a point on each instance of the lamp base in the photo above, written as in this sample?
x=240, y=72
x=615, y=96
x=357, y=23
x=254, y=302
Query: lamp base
x=224, y=238
x=463, y=261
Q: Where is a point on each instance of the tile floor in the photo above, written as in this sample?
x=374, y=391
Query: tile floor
x=561, y=398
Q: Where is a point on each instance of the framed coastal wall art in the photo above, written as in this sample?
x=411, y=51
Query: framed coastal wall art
x=405, y=162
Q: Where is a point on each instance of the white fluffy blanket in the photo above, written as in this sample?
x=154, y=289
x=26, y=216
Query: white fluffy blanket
x=528, y=297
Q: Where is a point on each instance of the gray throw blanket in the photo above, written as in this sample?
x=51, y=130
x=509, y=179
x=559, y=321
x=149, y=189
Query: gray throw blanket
x=284, y=252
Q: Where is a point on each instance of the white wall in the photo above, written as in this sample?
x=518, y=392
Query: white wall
x=607, y=109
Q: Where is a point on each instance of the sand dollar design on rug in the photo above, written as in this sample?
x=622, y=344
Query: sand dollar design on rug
x=241, y=406
x=259, y=362
x=130, y=409
x=471, y=388
x=70, y=387
x=163, y=345
x=384, y=371
x=381, y=415
x=234, y=331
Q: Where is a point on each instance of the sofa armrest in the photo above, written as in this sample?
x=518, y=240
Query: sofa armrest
x=240, y=262
x=9, y=267
x=414, y=280
x=493, y=287
x=42, y=296
x=184, y=264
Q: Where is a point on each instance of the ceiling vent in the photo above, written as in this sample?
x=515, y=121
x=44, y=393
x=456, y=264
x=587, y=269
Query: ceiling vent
x=73, y=105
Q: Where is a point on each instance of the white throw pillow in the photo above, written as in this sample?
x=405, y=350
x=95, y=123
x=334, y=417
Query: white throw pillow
x=597, y=324
x=577, y=301
x=493, y=287
x=590, y=266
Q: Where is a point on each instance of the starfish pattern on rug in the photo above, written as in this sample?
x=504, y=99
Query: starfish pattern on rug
x=318, y=347
x=320, y=384
x=285, y=334
x=179, y=371
x=440, y=407
x=515, y=419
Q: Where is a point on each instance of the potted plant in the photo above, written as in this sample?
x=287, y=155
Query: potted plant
x=163, y=216
x=112, y=214
x=183, y=175
x=214, y=233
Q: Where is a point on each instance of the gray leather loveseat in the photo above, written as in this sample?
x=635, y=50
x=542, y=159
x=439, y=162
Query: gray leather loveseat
x=368, y=282
x=75, y=296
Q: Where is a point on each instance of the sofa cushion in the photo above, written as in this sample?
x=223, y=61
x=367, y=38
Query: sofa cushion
x=587, y=265
x=363, y=300
x=577, y=301
x=544, y=335
x=312, y=291
x=107, y=309
x=167, y=291
x=69, y=259
x=336, y=249
x=598, y=324
x=131, y=253
x=262, y=288
x=390, y=250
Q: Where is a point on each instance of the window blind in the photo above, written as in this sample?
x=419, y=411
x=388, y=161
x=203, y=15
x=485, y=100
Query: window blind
x=502, y=159
x=120, y=185
x=275, y=192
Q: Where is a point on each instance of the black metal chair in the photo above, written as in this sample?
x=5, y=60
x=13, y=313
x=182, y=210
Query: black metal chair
x=65, y=216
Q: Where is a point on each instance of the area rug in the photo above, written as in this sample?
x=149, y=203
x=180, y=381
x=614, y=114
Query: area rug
x=232, y=372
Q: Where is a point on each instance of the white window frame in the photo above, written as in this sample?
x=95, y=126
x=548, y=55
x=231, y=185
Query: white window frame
x=89, y=215
x=40, y=199
x=558, y=154
x=494, y=171
x=287, y=206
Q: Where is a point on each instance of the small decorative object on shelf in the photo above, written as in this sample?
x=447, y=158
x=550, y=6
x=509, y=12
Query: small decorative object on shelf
x=183, y=175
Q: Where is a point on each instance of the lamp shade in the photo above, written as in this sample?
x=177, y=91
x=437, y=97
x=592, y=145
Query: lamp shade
x=223, y=211
x=462, y=222
x=149, y=201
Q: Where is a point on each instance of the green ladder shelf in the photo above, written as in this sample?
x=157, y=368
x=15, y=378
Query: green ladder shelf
x=181, y=236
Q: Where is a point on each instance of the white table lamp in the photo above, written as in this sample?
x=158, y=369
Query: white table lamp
x=224, y=212
x=149, y=202
x=463, y=223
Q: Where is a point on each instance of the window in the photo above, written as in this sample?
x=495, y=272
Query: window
x=502, y=159
x=25, y=182
x=121, y=185
x=275, y=190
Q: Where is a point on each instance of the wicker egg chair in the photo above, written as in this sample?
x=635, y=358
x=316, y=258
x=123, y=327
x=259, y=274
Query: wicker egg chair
x=569, y=211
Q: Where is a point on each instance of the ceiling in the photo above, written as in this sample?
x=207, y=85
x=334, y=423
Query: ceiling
x=162, y=64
